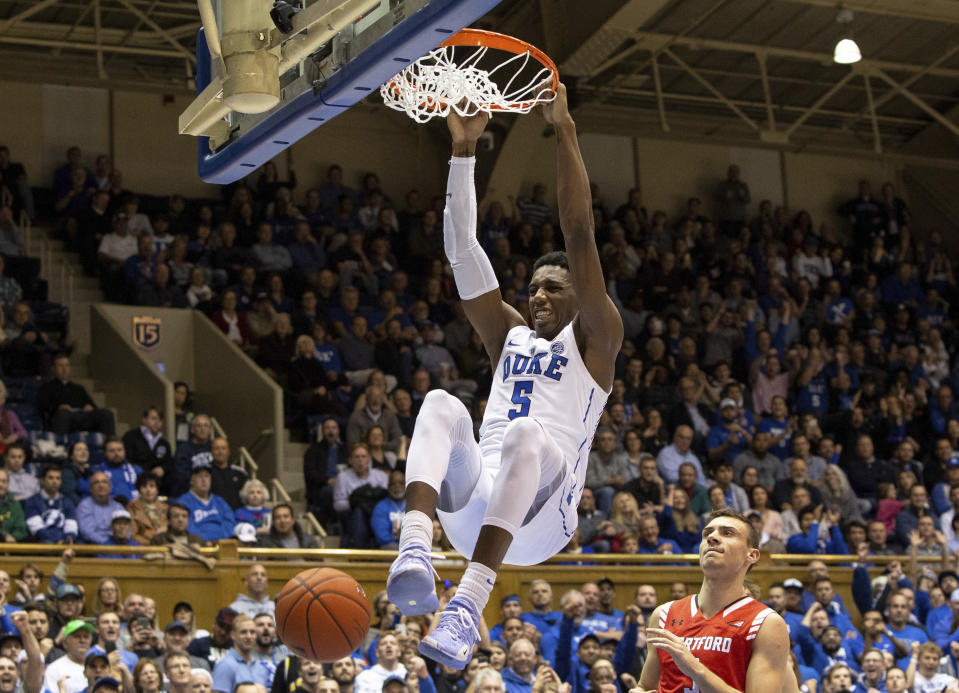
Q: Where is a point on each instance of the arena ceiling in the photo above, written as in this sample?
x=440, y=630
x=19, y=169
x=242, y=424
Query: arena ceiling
x=737, y=71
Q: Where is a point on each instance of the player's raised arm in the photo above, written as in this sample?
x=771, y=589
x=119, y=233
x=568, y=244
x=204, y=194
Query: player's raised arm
x=472, y=270
x=598, y=320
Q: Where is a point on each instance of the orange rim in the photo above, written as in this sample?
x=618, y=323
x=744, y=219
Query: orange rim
x=491, y=39
x=509, y=44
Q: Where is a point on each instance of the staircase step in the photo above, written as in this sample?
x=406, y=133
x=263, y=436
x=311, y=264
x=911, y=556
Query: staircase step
x=293, y=482
x=293, y=457
x=79, y=365
x=87, y=295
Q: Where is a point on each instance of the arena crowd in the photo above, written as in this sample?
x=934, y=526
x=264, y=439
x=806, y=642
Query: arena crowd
x=802, y=373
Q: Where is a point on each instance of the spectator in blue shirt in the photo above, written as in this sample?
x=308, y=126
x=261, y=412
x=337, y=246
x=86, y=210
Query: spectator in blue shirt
x=902, y=288
x=518, y=676
x=388, y=513
x=191, y=453
x=650, y=541
x=123, y=474
x=899, y=626
x=873, y=672
x=210, y=516
x=121, y=528
x=541, y=597
x=813, y=397
x=839, y=309
x=239, y=664
x=728, y=438
x=807, y=541
x=95, y=512
x=307, y=255
x=51, y=518
x=821, y=644
x=942, y=408
x=509, y=607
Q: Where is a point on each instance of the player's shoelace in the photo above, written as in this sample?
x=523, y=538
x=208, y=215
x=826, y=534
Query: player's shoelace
x=420, y=555
x=458, y=623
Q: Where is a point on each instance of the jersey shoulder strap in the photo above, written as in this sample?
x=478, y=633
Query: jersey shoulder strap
x=664, y=613
x=757, y=623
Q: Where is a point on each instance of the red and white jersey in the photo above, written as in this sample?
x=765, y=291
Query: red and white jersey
x=723, y=643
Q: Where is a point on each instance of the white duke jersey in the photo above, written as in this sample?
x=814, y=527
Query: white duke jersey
x=548, y=381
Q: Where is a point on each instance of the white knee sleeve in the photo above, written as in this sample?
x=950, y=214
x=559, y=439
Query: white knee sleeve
x=471, y=267
x=443, y=453
x=518, y=481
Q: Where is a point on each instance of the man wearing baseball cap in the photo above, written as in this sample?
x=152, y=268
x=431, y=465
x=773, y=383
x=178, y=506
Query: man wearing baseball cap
x=210, y=516
x=727, y=438
x=509, y=607
x=105, y=684
x=214, y=646
x=96, y=666
x=68, y=606
x=176, y=638
x=793, y=589
x=77, y=637
x=120, y=527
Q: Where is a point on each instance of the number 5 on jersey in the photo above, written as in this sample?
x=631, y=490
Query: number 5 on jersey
x=521, y=392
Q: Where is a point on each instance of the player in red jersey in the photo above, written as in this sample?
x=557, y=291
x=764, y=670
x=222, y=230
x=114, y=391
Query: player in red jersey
x=720, y=640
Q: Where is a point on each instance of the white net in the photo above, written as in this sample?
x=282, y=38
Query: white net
x=443, y=80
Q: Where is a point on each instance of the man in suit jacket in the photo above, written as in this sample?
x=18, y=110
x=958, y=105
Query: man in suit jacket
x=321, y=463
x=690, y=412
x=147, y=448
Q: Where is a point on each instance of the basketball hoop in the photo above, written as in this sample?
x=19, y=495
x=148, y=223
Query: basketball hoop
x=470, y=72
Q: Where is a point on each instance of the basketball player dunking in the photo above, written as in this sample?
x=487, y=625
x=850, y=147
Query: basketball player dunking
x=512, y=496
x=719, y=641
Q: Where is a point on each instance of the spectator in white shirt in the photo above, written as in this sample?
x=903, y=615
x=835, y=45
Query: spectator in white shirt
x=354, y=509
x=387, y=666
x=810, y=265
x=119, y=244
x=77, y=638
x=672, y=456
x=928, y=678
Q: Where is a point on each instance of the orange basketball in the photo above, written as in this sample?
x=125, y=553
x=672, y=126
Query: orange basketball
x=322, y=614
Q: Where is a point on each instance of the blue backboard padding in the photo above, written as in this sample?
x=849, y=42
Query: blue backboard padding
x=397, y=48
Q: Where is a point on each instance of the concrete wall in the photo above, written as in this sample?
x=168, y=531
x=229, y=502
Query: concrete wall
x=127, y=373
x=669, y=172
x=147, y=149
x=242, y=397
x=819, y=184
x=173, y=356
x=226, y=383
x=139, y=130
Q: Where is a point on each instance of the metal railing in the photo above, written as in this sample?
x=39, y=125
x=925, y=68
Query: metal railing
x=377, y=555
x=218, y=431
x=26, y=228
x=248, y=463
x=276, y=488
x=244, y=457
x=261, y=441
x=91, y=550
x=60, y=276
x=279, y=492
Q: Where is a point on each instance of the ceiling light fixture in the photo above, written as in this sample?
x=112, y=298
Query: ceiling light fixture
x=846, y=51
